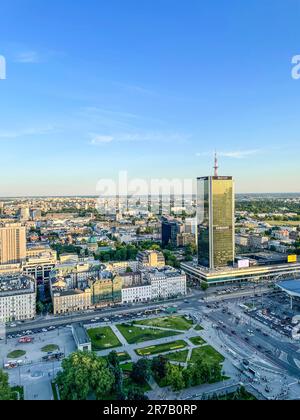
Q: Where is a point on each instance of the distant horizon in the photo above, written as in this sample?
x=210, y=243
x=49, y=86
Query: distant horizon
x=140, y=196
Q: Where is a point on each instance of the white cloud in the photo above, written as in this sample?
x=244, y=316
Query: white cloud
x=98, y=139
x=27, y=57
x=235, y=154
x=31, y=131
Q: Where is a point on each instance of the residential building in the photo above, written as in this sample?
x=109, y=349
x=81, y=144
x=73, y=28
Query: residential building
x=106, y=290
x=12, y=243
x=150, y=258
x=120, y=267
x=184, y=239
x=166, y=283
x=258, y=241
x=17, y=298
x=135, y=294
x=66, y=300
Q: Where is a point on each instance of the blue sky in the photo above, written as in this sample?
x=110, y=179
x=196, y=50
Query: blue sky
x=152, y=87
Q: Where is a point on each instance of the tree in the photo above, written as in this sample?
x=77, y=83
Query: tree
x=202, y=372
x=113, y=359
x=116, y=370
x=6, y=393
x=39, y=307
x=136, y=394
x=84, y=374
x=204, y=286
x=141, y=371
x=159, y=367
x=175, y=377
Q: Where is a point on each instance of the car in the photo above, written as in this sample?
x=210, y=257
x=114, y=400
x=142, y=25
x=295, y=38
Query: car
x=51, y=328
x=13, y=325
x=44, y=330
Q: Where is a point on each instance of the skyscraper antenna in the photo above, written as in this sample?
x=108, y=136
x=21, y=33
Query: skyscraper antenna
x=216, y=167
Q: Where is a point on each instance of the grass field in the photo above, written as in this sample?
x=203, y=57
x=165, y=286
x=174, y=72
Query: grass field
x=123, y=356
x=208, y=353
x=178, y=356
x=282, y=223
x=16, y=354
x=197, y=341
x=50, y=348
x=199, y=328
x=127, y=367
x=103, y=338
x=135, y=334
x=180, y=323
x=161, y=348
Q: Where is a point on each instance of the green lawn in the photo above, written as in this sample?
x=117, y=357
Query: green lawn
x=197, y=341
x=161, y=348
x=135, y=334
x=16, y=354
x=208, y=353
x=103, y=338
x=180, y=323
x=123, y=356
x=199, y=328
x=50, y=348
x=127, y=367
x=178, y=356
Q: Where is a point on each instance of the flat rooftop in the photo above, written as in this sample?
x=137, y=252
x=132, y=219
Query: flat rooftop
x=80, y=334
x=12, y=284
x=291, y=287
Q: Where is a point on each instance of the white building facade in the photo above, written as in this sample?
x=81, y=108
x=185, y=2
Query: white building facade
x=136, y=294
x=17, y=299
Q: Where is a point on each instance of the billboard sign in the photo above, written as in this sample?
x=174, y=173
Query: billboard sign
x=292, y=258
x=243, y=263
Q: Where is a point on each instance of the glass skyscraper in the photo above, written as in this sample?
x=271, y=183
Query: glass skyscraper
x=216, y=221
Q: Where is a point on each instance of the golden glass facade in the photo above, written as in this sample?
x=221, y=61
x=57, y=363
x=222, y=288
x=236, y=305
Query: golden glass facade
x=216, y=226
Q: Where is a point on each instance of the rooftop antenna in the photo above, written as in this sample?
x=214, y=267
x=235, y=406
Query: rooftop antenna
x=216, y=167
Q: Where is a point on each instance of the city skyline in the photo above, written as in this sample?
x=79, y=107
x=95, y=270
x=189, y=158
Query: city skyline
x=111, y=88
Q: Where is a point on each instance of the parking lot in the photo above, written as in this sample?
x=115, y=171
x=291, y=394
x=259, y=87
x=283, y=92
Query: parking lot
x=274, y=311
x=35, y=351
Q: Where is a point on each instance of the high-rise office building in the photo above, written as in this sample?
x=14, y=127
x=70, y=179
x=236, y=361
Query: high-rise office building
x=216, y=220
x=169, y=230
x=12, y=243
x=24, y=213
